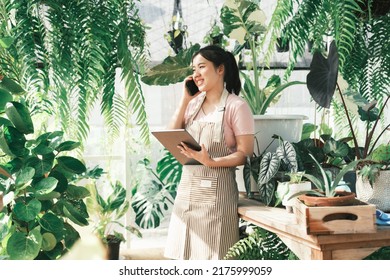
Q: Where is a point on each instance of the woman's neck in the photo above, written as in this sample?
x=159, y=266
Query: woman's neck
x=214, y=96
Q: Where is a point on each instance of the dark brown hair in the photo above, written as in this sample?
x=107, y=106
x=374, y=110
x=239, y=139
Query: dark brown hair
x=218, y=57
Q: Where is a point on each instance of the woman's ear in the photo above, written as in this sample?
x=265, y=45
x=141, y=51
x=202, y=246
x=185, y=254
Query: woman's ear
x=221, y=69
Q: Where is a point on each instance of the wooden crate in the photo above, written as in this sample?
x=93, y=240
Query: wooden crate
x=358, y=218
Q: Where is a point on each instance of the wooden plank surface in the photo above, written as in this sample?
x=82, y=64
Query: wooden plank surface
x=307, y=246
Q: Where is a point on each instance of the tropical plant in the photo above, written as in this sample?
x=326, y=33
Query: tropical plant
x=268, y=168
x=66, y=54
x=322, y=82
x=325, y=185
x=109, y=206
x=369, y=168
x=244, y=22
x=155, y=192
x=329, y=152
x=259, y=244
x=42, y=202
x=358, y=27
x=172, y=70
x=285, y=189
x=371, y=116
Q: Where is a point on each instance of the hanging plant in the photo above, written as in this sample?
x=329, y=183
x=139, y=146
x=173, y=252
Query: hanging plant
x=176, y=37
x=78, y=46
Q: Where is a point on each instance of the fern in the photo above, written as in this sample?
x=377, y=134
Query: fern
x=260, y=245
x=79, y=46
x=304, y=20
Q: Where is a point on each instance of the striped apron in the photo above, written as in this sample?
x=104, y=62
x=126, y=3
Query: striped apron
x=204, y=220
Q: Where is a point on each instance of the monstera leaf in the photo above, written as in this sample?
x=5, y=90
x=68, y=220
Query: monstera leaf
x=322, y=78
x=172, y=70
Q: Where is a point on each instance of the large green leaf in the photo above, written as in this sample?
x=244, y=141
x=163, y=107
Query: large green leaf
x=41, y=166
x=24, y=177
x=117, y=198
x=52, y=223
x=172, y=70
x=241, y=18
x=150, y=205
x=76, y=192
x=74, y=214
x=381, y=153
x=11, y=86
x=67, y=146
x=19, y=115
x=27, y=212
x=22, y=246
x=5, y=97
x=336, y=148
x=12, y=142
x=266, y=192
x=269, y=166
x=45, y=186
x=71, y=164
x=287, y=154
x=322, y=78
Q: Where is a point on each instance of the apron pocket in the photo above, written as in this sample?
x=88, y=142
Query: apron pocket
x=204, y=190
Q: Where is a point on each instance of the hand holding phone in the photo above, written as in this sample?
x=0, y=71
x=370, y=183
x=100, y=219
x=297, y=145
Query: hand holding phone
x=192, y=87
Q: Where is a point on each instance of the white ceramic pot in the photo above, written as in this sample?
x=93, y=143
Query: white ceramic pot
x=378, y=194
x=289, y=127
x=293, y=189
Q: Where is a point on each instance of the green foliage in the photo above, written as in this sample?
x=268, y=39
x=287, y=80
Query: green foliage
x=325, y=184
x=266, y=170
x=311, y=21
x=109, y=210
x=380, y=254
x=172, y=70
x=41, y=201
x=154, y=193
x=260, y=245
x=78, y=47
x=244, y=21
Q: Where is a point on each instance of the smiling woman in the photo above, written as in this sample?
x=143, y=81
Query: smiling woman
x=204, y=221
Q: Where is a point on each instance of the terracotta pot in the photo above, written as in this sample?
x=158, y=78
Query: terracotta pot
x=341, y=199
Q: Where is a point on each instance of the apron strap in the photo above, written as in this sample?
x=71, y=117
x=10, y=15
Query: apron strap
x=219, y=116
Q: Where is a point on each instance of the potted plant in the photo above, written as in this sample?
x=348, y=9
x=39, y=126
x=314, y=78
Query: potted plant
x=42, y=201
x=109, y=209
x=373, y=177
x=266, y=169
x=326, y=70
x=176, y=37
x=326, y=192
x=286, y=189
x=244, y=21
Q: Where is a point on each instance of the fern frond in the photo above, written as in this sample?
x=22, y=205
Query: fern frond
x=260, y=245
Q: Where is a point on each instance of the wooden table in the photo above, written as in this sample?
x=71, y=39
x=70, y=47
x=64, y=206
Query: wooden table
x=312, y=247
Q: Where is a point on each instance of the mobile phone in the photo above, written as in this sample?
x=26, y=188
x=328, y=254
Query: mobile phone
x=192, y=87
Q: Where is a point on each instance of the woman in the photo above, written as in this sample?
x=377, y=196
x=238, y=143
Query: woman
x=204, y=221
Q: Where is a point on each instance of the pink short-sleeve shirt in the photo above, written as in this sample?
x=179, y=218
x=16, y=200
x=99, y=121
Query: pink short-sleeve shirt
x=238, y=119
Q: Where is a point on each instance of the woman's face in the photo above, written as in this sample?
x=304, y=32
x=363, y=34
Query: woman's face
x=205, y=75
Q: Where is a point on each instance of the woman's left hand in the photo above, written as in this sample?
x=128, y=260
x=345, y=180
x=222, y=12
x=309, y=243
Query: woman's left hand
x=201, y=156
